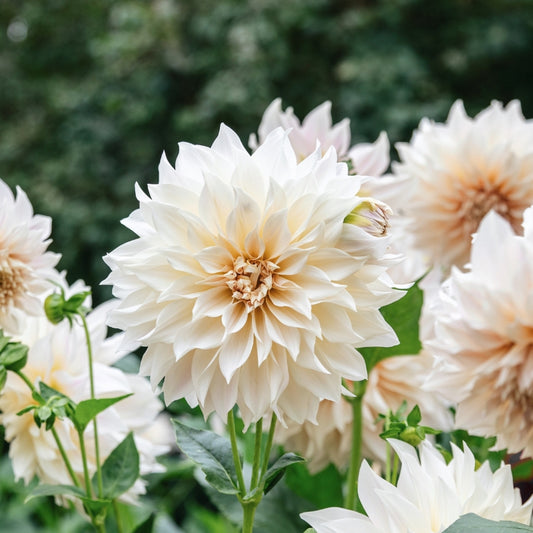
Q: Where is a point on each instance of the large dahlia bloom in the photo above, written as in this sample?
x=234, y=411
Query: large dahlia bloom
x=391, y=382
x=483, y=336
x=245, y=283
x=58, y=357
x=25, y=265
x=461, y=170
x=430, y=495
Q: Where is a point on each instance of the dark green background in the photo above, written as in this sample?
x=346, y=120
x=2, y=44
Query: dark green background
x=98, y=89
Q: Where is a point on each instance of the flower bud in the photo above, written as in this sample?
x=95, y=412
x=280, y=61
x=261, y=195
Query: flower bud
x=371, y=215
x=54, y=308
x=411, y=436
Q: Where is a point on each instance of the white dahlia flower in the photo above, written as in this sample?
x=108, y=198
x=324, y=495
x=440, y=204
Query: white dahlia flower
x=483, y=336
x=391, y=382
x=58, y=357
x=461, y=170
x=25, y=265
x=316, y=127
x=430, y=495
x=245, y=283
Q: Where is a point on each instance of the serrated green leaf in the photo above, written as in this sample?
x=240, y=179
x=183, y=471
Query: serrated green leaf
x=55, y=490
x=87, y=410
x=403, y=316
x=121, y=468
x=14, y=356
x=277, y=470
x=212, y=453
x=471, y=523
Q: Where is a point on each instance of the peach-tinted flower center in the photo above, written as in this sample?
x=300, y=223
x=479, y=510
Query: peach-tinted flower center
x=250, y=280
x=12, y=283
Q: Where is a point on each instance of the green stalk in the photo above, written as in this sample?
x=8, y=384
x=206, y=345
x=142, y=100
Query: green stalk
x=120, y=528
x=268, y=446
x=388, y=469
x=248, y=516
x=66, y=460
x=352, y=500
x=395, y=466
x=86, y=477
x=95, y=425
x=235, y=452
x=257, y=453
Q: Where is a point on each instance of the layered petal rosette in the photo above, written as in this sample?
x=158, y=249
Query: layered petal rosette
x=245, y=283
x=391, y=382
x=58, y=357
x=25, y=265
x=461, y=170
x=429, y=497
x=482, y=337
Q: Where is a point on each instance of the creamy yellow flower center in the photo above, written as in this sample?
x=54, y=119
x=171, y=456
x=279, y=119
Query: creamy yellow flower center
x=250, y=280
x=12, y=283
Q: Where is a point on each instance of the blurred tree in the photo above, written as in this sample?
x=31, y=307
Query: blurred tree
x=92, y=92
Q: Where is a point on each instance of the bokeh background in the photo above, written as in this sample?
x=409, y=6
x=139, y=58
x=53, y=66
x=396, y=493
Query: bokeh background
x=92, y=92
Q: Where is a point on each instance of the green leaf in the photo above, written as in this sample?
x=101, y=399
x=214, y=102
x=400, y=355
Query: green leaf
x=4, y=340
x=121, y=468
x=212, y=453
x=471, y=523
x=86, y=410
x=3, y=377
x=277, y=470
x=14, y=356
x=403, y=315
x=48, y=392
x=97, y=509
x=414, y=417
x=523, y=470
x=147, y=526
x=55, y=490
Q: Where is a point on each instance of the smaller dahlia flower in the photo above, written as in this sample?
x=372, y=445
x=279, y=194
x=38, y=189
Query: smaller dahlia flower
x=25, y=265
x=316, y=127
x=391, y=382
x=482, y=338
x=245, y=282
x=461, y=170
x=58, y=356
x=430, y=495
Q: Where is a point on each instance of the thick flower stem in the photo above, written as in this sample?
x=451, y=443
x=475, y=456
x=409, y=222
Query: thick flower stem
x=95, y=425
x=248, y=516
x=352, y=501
x=59, y=444
x=257, y=454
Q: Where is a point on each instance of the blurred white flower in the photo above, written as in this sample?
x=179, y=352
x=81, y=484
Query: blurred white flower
x=461, y=170
x=245, y=283
x=391, y=382
x=483, y=336
x=430, y=495
x=25, y=265
x=316, y=127
x=58, y=357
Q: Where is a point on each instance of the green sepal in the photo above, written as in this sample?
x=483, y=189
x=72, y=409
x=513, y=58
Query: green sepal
x=97, y=509
x=87, y=410
x=277, y=470
x=212, y=453
x=14, y=356
x=121, y=469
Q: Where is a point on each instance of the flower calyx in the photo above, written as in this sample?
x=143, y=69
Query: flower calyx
x=57, y=307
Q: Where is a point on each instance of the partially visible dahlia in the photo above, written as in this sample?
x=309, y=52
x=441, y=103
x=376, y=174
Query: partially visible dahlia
x=25, y=265
x=460, y=171
x=58, y=357
x=246, y=284
x=430, y=495
x=315, y=127
x=483, y=336
x=390, y=383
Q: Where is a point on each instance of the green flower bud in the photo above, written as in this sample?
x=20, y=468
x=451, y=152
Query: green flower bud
x=411, y=436
x=54, y=308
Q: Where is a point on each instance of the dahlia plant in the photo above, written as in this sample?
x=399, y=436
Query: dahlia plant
x=293, y=298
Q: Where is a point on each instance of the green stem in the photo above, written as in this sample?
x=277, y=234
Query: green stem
x=248, y=516
x=235, y=452
x=395, y=465
x=352, y=501
x=388, y=469
x=66, y=460
x=86, y=477
x=95, y=425
x=120, y=528
x=257, y=453
x=268, y=446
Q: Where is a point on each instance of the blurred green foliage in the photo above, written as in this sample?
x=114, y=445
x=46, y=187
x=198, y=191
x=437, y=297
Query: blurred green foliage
x=94, y=91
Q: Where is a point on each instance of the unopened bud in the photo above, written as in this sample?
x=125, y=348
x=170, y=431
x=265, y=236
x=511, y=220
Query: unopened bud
x=372, y=216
